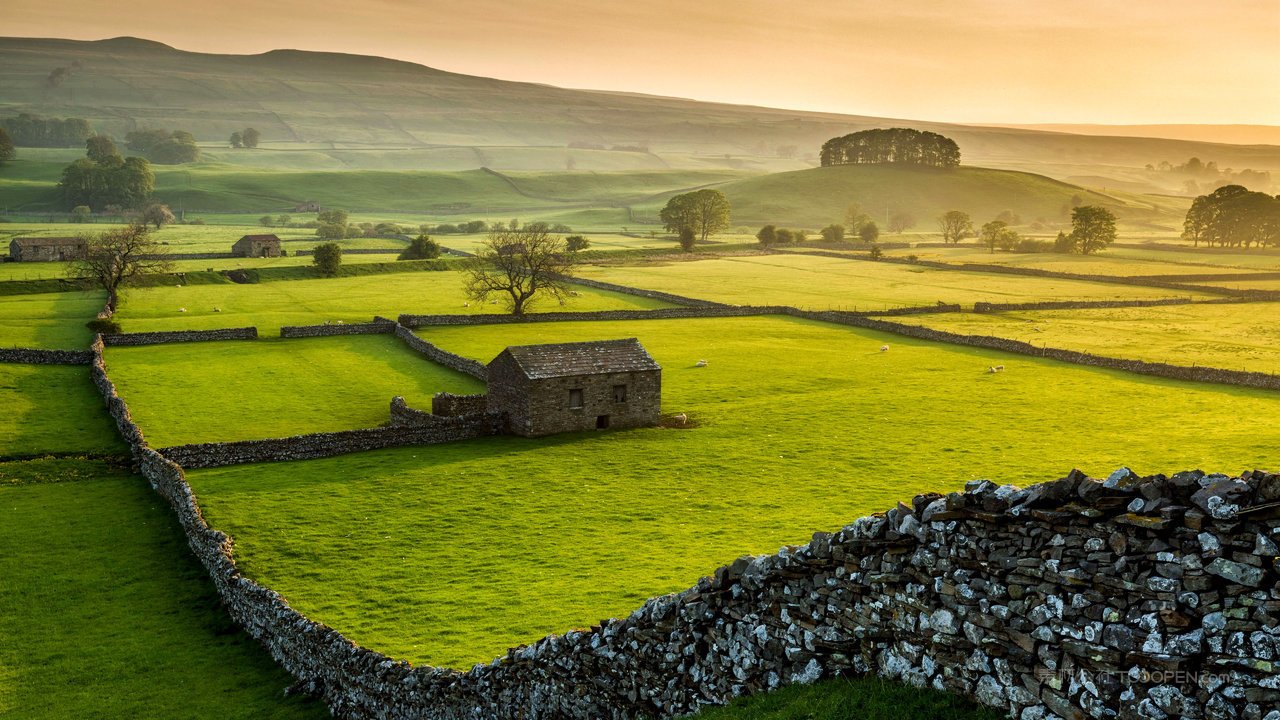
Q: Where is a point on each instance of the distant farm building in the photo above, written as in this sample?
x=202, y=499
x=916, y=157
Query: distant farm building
x=257, y=246
x=545, y=389
x=45, y=249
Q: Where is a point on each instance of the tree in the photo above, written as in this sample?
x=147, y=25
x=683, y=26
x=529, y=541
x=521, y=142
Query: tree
x=102, y=149
x=687, y=239
x=119, y=257
x=956, y=225
x=869, y=233
x=158, y=215
x=237, y=140
x=333, y=216
x=163, y=146
x=1007, y=239
x=902, y=146
x=283, y=221
x=421, y=248
x=785, y=236
x=768, y=235
x=990, y=234
x=877, y=252
x=267, y=221
x=81, y=214
x=126, y=184
x=1063, y=244
x=833, y=233
x=7, y=151
x=855, y=219
x=705, y=212
x=250, y=137
x=1092, y=228
x=576, y=243
x=521, y=264
x=901, y=221
x=327, y=258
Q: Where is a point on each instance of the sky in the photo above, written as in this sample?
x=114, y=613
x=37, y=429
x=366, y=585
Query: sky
x=1006, y=61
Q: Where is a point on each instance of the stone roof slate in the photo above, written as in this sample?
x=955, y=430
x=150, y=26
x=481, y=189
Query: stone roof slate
x=39, y=241
x=596, y=357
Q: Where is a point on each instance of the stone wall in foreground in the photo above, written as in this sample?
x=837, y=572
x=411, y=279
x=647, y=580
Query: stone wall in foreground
x=37, y=356
x=180, y=336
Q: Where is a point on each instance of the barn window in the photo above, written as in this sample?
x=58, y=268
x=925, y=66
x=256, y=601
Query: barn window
x=619, y=393
x=575, y=399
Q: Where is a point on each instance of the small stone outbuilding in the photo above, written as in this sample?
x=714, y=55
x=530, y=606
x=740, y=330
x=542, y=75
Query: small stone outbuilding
x=567, y=387
x=257, y=246
x=46, y=249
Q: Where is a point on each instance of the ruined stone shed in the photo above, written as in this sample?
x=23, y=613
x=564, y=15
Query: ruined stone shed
x=567, y=387
x=257, y=246
x=46, y=249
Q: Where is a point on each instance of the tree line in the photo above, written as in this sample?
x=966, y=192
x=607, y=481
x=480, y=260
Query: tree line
x=1233, y=216
x=27, y=130
x=901, y=146
x=104, y=179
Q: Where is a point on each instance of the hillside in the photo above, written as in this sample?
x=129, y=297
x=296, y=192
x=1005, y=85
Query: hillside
x=819, y=196
x=325, y=101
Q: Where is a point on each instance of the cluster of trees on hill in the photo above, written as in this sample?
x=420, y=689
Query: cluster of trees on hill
x=28, y=130
x=164, y=147
x=246, y=138
x=1233, y=216
x=473, y=226
x=695, y=216
x=104, y=179
x=1207, y=175
x=1093, y=228
x=902, y=146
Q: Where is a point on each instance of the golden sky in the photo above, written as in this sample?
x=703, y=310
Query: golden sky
x=1100, y=61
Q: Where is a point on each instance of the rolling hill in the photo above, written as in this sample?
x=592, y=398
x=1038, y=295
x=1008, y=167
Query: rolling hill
x=330, y=102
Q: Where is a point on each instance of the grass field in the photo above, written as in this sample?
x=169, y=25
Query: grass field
x=48, y=320
x=450, y=554
x=310, y=302
x=1235, y=337
x=1208, y=259
x=858, y=699
x=53, y=409
x=823, y=282
x=256, y=389
x=105, y=614
x=1112, y=262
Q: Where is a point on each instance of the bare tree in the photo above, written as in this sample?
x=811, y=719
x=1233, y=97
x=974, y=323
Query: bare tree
x=519, y=263
x=119, y=257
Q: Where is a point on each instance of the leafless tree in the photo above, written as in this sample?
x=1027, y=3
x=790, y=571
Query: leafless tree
x=519, y=263
x=119, y=257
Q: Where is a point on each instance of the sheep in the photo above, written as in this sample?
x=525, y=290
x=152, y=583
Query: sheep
x=700, y=363
x=217, y=309
x=182, y=309
x=681, y=418
x=466, y=304
x=884, y=348
x=995, y=369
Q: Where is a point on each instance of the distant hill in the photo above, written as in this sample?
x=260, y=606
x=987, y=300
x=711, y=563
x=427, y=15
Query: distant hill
x=819, y=196
x=330, y=101
x=1233, y=134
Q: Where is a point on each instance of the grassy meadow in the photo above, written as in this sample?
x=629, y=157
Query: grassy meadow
x=53, y=409
x=311, y=302
x=1235, y=337
x=105, y=613
x=241, y=390
x=850, y=699
x=450, y=554
x=1115, y=261
x=825, y=283
x=49, y=320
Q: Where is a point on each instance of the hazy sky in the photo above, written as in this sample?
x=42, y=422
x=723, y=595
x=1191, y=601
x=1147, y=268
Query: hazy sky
x=1107, y=61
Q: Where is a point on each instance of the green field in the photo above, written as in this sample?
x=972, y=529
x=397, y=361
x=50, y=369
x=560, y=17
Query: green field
x=105, y=614
x=450, y=554
x=1234, y=337
x=824, y=283
x=53, y=409
x=48, y=320
x=242, y=390
x=850, y=699
x=311, y=302
x=1113, y=262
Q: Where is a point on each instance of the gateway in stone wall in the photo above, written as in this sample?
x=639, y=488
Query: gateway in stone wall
x=565, y=387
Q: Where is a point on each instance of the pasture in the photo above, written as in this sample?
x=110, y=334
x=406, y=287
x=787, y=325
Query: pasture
x=1114, y=261
x=49, y=320
x=450, y=554
x=241, y=390
x=825, y=283
x=53, y=409
x=311, y=302
x=1234, y=337
x=105, y=614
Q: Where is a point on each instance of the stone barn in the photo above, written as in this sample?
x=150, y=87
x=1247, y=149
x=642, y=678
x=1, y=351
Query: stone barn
x=545, y=389
x=257, y=246
x=45, y=249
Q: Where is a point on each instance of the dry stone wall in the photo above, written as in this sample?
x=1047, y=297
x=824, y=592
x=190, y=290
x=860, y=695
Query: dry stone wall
x=180, y=336
x=380, y=326
x=443, y=357
x=653, y=294
x=986, y=307
x=1134, y=597
x=417, y=321
x=37, y=356
x=448, y=404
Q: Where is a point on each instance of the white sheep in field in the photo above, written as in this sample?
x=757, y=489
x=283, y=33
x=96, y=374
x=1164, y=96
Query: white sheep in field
x=182, y=309
x=217, y=309
x=466, y=304
x=995, y=369
x=682, y=418
x=700, y=363
x=884, y=348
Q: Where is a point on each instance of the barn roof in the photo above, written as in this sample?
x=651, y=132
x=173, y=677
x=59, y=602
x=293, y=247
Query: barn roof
x=261, y=238
x=38, y=241
x=597, y=357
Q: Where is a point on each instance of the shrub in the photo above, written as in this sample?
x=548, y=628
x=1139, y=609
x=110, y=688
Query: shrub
x=687, y=239
x=331, y=231
x=421, y=248
x=576, y=243
x=106, y=326
x=833, y=233
x=327, y=258
x=869, y=233
x=768, y=235
x=876, y=252
x=80, y=213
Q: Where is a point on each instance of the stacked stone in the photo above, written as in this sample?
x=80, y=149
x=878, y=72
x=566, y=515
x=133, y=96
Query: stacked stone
x=380, y=326
x=442, y=357
x=986, y=307
x=180, y=336
x=37, y=356
x=448, y=404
